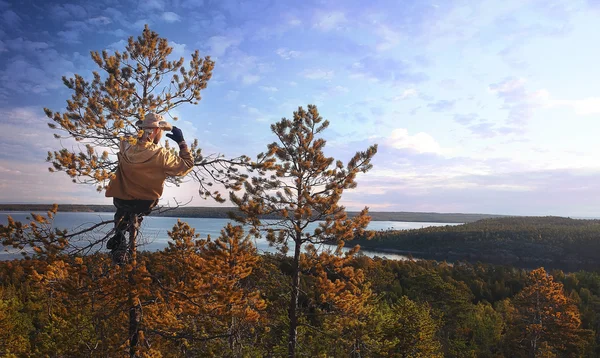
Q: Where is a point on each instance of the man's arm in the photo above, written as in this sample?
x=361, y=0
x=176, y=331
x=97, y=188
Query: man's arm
x=174, y=165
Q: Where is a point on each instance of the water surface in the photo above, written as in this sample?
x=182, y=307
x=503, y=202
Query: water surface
x=154, y=229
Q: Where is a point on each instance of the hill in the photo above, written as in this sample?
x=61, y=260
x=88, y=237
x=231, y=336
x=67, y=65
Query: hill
x=222, y=212
x=521, y=241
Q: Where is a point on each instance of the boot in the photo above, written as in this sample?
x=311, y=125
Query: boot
x=115, y=241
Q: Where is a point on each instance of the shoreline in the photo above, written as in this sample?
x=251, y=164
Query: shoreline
x=223, y=213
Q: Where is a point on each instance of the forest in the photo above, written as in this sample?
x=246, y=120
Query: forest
x=529, y=242
x=205, y=296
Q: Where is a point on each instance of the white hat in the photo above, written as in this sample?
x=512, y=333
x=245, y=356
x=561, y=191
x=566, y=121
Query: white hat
x=153, y=120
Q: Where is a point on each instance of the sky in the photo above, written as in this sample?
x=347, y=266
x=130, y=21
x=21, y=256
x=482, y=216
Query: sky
x=477, y=106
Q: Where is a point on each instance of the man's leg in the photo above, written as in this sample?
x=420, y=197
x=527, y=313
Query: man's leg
x=121, y=223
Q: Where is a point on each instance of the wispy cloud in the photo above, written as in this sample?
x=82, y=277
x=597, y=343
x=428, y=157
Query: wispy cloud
x=386, y=69
x=420, y=142
x=151, y=5
x=68, y=11
x=11, y=19
x=287, y=54
x=70, y=36
x=170, y=17
x=250, y=79
x=584, y=107
x=327, y=21
x=389, y=38
x=441, y=105
x=519, y=102
x=406, y=94
x=268, y=88
x=218, y=45
x=317, y=74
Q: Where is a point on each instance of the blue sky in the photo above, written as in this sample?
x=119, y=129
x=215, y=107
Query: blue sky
x=477, y=106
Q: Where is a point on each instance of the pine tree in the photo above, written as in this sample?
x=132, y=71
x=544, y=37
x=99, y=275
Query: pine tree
x=548, y=321
x=410, y=331
x=202, y=291
x=300, y=186
x=344, y=298
x=15, y=326
x=102, y=112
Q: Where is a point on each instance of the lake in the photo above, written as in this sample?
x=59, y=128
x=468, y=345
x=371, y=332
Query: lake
x=154, y=229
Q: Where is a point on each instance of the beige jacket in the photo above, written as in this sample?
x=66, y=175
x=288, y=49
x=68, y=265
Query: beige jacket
x=143, y=168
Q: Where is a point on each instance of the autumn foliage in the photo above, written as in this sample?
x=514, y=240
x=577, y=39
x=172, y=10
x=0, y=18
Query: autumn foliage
x=298, y=183
x=218, y=297
x=103, y=111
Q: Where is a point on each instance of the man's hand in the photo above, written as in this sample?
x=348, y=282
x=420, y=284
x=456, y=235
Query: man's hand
x=176, y=135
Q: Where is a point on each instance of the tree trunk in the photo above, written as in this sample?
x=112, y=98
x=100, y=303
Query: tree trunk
x=134, y=310
x=293, y=314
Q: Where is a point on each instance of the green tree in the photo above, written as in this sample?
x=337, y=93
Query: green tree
x=411, y=330
x=486, y=326
x=300, y=186
x=15, y=325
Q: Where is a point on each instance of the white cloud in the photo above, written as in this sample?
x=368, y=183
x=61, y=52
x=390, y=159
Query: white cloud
x=294, y=21
x=178, y=49
x=582, y=107
x=38, y=72
x=520, y=102
x=514, y=93
x=389, y=38
x=11, y=19
x=70, y=36
x=99, y=20
x=407, y=93
x=152, y=5
x=139, y=24
x=420, y=142
x=219, y=44
x=33, y=181
x=19, y=44
x=255, y=113
x=339, y=90
x=232, y=95
x=117, y=46
x=327, y=21
x=118, y=33
x=287, y=54
x=317, y=74
x=170, y=17
x=268, y=88
x=69, y=11
x=242, y=67
x=250, y=79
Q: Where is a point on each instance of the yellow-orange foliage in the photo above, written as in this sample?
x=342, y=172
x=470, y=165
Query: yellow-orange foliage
x=202, y=291
x=299, y=185
x=103, y=111
x=547, y=318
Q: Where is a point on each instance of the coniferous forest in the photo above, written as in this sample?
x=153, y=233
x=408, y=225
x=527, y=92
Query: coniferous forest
x=528, y=242
x=217, y=297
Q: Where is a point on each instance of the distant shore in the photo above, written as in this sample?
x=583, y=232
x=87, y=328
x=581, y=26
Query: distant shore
x=223, y=212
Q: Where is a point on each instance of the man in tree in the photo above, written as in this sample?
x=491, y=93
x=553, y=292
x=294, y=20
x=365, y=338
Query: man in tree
x=141, y=173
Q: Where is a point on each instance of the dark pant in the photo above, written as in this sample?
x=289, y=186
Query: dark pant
x=127, y=207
